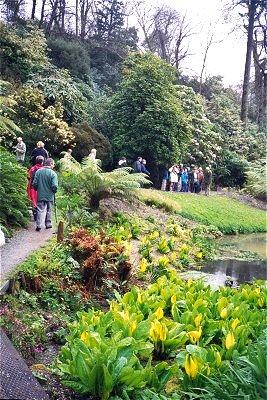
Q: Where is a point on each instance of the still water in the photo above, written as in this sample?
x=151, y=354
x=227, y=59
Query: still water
x=241, y=271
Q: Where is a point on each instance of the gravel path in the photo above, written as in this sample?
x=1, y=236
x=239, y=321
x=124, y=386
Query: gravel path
x=20, y=246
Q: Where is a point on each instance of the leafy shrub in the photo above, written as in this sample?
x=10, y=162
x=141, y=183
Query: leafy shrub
x=256, y=179
x=13, y=196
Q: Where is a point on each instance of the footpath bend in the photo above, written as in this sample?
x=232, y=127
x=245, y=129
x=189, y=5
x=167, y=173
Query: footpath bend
x=16, y=380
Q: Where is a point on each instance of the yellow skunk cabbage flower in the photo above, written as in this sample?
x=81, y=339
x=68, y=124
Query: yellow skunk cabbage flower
x=195, y=335
x=173, y=255
x=143, y=265
x=159, y=313
x=257, y=290
x=113, y=306
x=155, y=330
x=260, y=302
x=199, y=255
x=184, y=247
x=85, y=336
x=163, y=332
x=223, y=313
x=197, y=320
x=189, y=283
x=173, y=298
x=217, y=358
x=124, y=314
x=132, y=326
x=235, y=323
x=191, y=366
x=230, y=340
x=139, y=298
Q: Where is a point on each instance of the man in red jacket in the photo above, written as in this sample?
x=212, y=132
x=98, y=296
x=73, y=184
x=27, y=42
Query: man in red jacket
x=32, y=193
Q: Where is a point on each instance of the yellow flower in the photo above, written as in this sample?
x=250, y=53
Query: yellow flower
x=260, y=302
x=85, y=336
x=144, y=240
x=128, y=248
x=159, y=313
x=197, y=320
x=130, y=236
x=191, y=366
x=257, y=290
x=132, y=326
x=143, y=265
x=230, y=340
x=155, y=330
x=173, y=298
x=139, y=298
x=124, y=314
x=173, y=255
x=184, y=247
x=163, y=332
x=235, y=323
x=113, y=306
x=195, y=335
x=237, y=308
x=189, y=283
x=217, y=358
x=199, y=255
x=223, y=313
x=95, y=319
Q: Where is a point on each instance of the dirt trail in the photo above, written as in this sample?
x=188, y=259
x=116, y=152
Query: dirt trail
x=20, y=246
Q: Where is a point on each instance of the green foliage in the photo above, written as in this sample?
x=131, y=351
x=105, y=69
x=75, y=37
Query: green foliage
x=13, y=195
x=23, y=50
x=200, y=328
x=71, y=55
x=256, y=179
x=57, y=86
x=87, y=138
x=146, y=110
x=230, y=170
x=98, y=185
x=8, y=128
x=228, y=215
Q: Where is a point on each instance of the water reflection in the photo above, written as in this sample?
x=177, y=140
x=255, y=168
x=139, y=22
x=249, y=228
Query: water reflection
x=240, y=271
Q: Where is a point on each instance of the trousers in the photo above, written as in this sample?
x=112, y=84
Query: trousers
x=44, y=214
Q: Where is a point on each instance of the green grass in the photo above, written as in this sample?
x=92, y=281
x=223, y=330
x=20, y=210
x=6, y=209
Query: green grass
x=228, y=215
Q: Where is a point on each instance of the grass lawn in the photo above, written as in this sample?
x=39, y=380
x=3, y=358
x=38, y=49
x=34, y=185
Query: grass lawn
x=229, y=215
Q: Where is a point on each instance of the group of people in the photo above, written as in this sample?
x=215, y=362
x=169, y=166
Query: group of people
x=139, y=166
x=178, y=178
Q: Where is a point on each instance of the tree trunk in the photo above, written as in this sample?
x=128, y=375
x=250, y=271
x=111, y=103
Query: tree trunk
x=94, y=203
x=42, y=14
x=33, y=9
x=76, y=19
x=245, y=91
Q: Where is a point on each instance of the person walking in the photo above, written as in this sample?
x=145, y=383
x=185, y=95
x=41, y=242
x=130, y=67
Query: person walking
x=165, y=178
x=137, y=168
x=207, y=180
x=184, y=181
x=122, y=162
x=196, y=186
x=20, y=149
x=46, y=183
x=200, y=178
x=174, y=171
x=92, y=154
x=39, y=150
x=32, y=193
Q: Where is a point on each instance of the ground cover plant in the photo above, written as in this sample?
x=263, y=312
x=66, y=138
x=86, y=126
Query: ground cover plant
x=228, y=215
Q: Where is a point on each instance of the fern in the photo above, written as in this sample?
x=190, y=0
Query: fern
x=256, y=179
x=99, y=185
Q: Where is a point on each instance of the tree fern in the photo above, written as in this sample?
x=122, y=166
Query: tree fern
x=256, y=179
x=98, y=185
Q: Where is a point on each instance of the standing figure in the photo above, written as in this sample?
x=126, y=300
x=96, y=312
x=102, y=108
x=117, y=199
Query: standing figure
x=184, y=181
x=173, y=178
x=165, y=178
x=20, y=151
x=32, y=193
x=46, y=183
x=92, y=154
x=137, y=168
x=195, y=181
x=207, y=180
x=122, y=162
x=200, y=178
x=39, y=151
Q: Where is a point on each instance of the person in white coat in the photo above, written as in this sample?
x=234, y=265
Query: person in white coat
x=174, y=178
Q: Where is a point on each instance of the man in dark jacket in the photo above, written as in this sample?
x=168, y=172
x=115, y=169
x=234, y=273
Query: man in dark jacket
x=137, y=165
x=46, y=183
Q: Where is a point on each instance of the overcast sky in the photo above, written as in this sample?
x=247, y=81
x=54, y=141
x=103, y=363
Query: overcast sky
x=227, y=56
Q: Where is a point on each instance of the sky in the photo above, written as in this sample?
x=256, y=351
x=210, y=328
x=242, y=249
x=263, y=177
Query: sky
x=226, y=57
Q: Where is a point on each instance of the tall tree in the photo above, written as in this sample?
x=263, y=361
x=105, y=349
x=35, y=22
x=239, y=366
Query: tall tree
x=110, y=16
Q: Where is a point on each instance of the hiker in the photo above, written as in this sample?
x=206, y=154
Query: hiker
x=32, y=193
x=20, y=149
x=173, y=178
x=68, y=154
x=200, y=178
x=46, y=183
x=137, y=165
x=122, y=162
x=143, y=167
x=39, y=150
x=196, y=186
x=92, y=154
x=184, y=179
x=165, y=178
x=207, y=180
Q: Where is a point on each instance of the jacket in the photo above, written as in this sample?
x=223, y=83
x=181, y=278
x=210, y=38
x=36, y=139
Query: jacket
x=46, y=183
x=20, y=151
x=38, y=151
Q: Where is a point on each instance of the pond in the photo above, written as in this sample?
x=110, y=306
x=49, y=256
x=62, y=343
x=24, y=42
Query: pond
x=242, y=260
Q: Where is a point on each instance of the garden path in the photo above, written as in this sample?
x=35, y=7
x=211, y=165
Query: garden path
x=20, y=246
